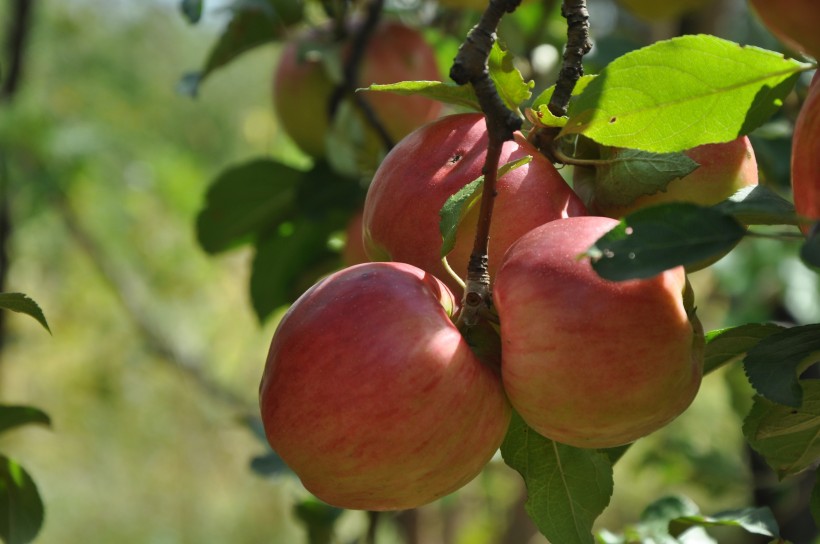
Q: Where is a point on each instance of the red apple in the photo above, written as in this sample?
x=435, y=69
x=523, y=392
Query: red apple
x=401, y=211
x=371, y=395
x=793, y=22
x=586, y=361
x=724, y=169
x=302, y=85
x=806, y=156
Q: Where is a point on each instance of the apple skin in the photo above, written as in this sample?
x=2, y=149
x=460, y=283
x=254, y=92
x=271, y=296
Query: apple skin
x=805, y=161
x=401, y=210
x=586, y=361
x=659, y=10
x=302, y=86
x=793, y=22
x=372, y=396
x=724, y=169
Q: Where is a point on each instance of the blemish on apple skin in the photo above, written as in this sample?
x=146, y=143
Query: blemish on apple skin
x=455, y=158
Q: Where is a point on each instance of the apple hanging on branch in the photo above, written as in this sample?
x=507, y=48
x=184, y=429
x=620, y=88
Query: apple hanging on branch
x=434, y=163
x=373, y=397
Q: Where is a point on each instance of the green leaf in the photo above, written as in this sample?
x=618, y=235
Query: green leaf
x=657, y=238
x=287, y=262
x=726, y=345
x=458, y=205
x=775, y=363
x=448, y=93
x=244, y=199
x=788, y=438
x=510, y=84
x=191, y=9
x=567, y=487
x=544, y=98
x=759, y=205
x=684, y=92
x=21, y=508
x=16, y=416
x=758, y=521
x=254, y=23
x=624, y=175
x=541, y=104
x=319, y=520
x=810, y=250
x=18, y=302
x=814, y=501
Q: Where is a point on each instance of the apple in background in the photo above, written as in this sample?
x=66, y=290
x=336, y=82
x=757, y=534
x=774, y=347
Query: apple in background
x=657, y=10
x=586, y=361
x=303, y=86
x=724, y=169
x=353, y=252
x=401, y=210
x=793, y=22
x=371, y=395
x=806, y=156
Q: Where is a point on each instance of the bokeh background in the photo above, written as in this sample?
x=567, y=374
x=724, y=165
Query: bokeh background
x=151, y=373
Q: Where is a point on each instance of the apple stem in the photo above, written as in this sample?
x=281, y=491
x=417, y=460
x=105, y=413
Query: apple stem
x=471, y=66
x=350, y=74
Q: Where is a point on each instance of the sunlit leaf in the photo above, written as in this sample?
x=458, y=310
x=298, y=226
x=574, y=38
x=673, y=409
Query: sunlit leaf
x=658, y=238
x=510, y=84
x=774, y=365
x=16, y=416
x=18, y=302
x=683, y=92
x=21, y=508
x=726, y=345
x=567, y=487
x=448, y=93
x=785, y=436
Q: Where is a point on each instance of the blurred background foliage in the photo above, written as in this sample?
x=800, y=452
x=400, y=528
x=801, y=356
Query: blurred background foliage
x=151, y=374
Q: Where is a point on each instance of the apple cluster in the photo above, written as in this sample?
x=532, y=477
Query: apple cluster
x=376, y=398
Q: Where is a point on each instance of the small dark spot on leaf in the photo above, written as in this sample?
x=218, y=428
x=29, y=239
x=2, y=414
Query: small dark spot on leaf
x=613, y=120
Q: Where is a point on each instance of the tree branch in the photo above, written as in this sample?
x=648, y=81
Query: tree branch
x=471, y=66
x=578, y=45
x=350, y=74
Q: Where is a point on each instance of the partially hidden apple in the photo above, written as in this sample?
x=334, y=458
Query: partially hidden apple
x=724, y=169
x=793, y=22
x=372, y=396
x=303, y=85
x=401, y=210
x=805, y=159
x=586, y=361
